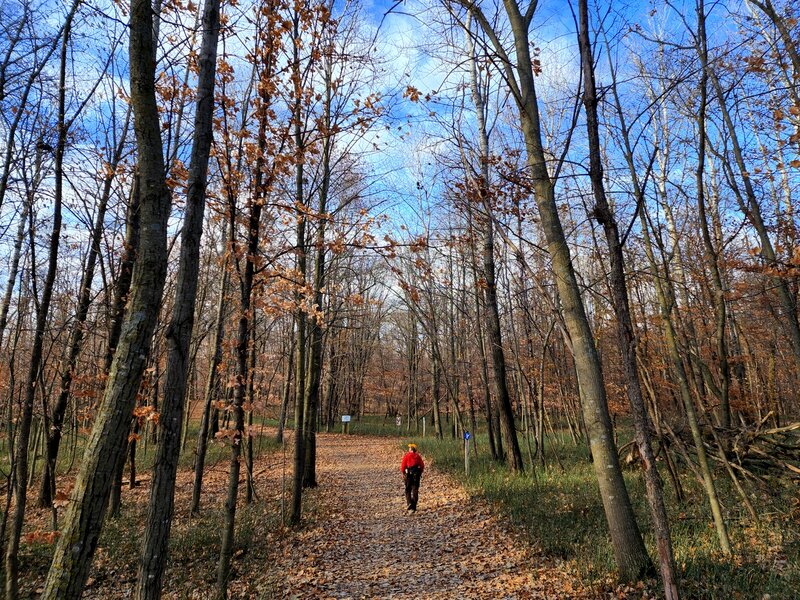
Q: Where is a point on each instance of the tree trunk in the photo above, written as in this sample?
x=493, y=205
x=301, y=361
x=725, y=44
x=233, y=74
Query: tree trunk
x=710, y=253
x=121, y=290
x=494, y=332
x=629, y=549
x=315, y=342
x=84, y=518
x=210, y=391
x=625, y=331
x=48, y=483
x=300, y=316
x=155, y=547
x=242, y=343
x=287, y=388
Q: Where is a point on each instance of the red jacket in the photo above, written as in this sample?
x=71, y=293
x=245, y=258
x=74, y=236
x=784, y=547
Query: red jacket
x=412, y=459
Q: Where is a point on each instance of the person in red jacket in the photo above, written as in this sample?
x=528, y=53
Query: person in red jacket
x=412, y=467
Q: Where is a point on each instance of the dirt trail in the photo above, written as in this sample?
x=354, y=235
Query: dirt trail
x=364, y=545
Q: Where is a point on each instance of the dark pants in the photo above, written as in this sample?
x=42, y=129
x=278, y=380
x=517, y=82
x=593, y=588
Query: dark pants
x=412, y=477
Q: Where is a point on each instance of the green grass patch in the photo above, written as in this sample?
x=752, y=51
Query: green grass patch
x=561, y=512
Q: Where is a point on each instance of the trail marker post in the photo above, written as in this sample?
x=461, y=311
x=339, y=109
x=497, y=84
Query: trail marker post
x=423, y=426
x=399, y=421
x=467, y=436
x=345, y=423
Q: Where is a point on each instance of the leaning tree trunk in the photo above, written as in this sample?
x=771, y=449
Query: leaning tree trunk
x=629, y=550
x=625, y=331
x=155, y=547
x=84, y=519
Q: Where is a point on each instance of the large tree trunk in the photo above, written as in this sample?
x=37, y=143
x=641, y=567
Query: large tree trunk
x=629, y=549
x=83, y=522
x=155, y=547
x=625, y=331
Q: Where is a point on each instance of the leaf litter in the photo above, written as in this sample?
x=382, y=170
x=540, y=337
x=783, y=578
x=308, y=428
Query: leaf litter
x=363, y=544
x=356, y=540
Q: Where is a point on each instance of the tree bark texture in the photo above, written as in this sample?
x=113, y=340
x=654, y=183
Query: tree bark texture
x=84, y=518
x=162, y=492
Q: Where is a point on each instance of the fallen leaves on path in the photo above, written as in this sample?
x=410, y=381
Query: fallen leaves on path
x=365, y=545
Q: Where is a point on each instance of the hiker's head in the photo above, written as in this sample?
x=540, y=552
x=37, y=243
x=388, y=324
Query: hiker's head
x=412, y=447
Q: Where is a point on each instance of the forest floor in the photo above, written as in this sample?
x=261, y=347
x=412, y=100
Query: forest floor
x=356, y=540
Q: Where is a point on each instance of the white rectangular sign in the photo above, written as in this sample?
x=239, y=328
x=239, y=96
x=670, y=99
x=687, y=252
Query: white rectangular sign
x=345, y=418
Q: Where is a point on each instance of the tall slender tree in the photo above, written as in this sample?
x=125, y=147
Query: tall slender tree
x=629, y=550
x=155, y=547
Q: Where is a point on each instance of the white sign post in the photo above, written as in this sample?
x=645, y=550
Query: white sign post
x=399, y=421
x=345, y=423
x=423, y=426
